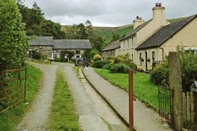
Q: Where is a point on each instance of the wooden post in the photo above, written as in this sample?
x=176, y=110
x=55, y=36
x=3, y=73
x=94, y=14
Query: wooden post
x=131, y=125
x=176, y=85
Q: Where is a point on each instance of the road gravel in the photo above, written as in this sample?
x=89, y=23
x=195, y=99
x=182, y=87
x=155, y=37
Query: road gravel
x=94, y=113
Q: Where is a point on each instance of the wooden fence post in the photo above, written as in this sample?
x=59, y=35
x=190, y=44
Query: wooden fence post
x=176, y=85
x=131, y=121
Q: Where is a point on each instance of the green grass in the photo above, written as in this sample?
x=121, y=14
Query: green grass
x=143, y=87
x=9, y=119
x=62, y=115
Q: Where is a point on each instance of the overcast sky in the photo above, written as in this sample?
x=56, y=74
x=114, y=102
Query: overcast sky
x=110, y=12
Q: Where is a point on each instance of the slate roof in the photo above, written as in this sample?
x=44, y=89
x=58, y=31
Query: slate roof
x=112, y=46
x=42, y=41
x=133, y=32
x=165, y=33
x=61, y=43
x=71, y=44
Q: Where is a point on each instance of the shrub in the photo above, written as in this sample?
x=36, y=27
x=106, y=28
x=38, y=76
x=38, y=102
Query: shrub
x=110, y=59
x=36, y=55
x=98, y=64
x=14, y=42
x=97, y=57
x=107, y=66
x=58, y=59
x=188, y=60
x=159, y=75
x=119, y=68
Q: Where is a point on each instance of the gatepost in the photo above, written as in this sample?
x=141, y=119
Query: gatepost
x=131, y=121
x=175, y=83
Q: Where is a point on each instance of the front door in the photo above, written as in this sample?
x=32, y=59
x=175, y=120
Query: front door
x=145, y=61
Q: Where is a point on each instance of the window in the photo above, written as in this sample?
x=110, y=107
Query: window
x=77, y=52
x=132, y=56
x=132, y=44
x=153, y=56
x=140, y=57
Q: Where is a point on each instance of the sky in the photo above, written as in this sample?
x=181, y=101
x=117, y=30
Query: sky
x=110, y=13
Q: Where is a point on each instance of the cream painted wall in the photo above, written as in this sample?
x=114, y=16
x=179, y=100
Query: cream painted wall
x=186, y=37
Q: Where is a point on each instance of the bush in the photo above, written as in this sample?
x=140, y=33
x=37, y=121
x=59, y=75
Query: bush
x=107, y=66
x=119, y=68
x=36, y=55
x=188, y=60
x=58, y=59
x=98, y=64
x=110, y=59
x=97, y=57
x=159, y=75
x=14, y=42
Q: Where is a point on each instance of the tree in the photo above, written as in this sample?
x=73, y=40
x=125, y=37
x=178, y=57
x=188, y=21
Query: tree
x=97, y=43
x=14, y=43
x=115, y=36
x=36, y=24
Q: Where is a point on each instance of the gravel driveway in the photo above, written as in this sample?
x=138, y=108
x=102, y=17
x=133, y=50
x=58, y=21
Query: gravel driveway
x=94, y=113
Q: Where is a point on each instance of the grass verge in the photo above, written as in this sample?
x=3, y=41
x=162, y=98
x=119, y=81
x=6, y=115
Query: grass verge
x=143, y=87
x=62, y=115
x=9, y=119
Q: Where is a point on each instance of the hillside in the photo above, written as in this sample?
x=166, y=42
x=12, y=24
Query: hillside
x=106, y=32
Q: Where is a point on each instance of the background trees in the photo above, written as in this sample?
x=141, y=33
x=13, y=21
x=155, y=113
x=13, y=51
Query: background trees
x=36, y=24
x=13, y=44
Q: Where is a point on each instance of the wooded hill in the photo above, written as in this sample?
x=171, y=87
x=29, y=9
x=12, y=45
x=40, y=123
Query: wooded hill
x=107, y=32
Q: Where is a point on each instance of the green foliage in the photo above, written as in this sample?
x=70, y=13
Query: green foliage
x=188, y=69
x=87, y=54
x=36, y=24
x=98, y=64
x=188, y=61
x=36, y=55
x=97, y=43
x=107, y=66
x=79, y=31
x=159, y=75
x=14, y=43
x=97, y=57
x=119, y=68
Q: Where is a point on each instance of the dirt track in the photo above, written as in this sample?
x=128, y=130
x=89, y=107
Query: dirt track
x=95, y=115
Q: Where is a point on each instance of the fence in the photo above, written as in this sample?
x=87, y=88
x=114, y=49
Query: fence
x=164, y=102
x=188, y=110
x=12, y=88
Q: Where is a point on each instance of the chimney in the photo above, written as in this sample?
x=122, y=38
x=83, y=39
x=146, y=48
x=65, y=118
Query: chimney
x=138, y=21
x=158, y=12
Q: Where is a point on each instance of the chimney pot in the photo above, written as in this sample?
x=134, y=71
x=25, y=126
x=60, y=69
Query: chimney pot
x=158, y=4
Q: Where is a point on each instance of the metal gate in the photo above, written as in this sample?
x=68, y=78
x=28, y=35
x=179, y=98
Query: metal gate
x=164, y=102
x=12, y=88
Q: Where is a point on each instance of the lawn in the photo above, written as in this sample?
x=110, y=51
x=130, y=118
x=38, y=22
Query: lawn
x=143, y=87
